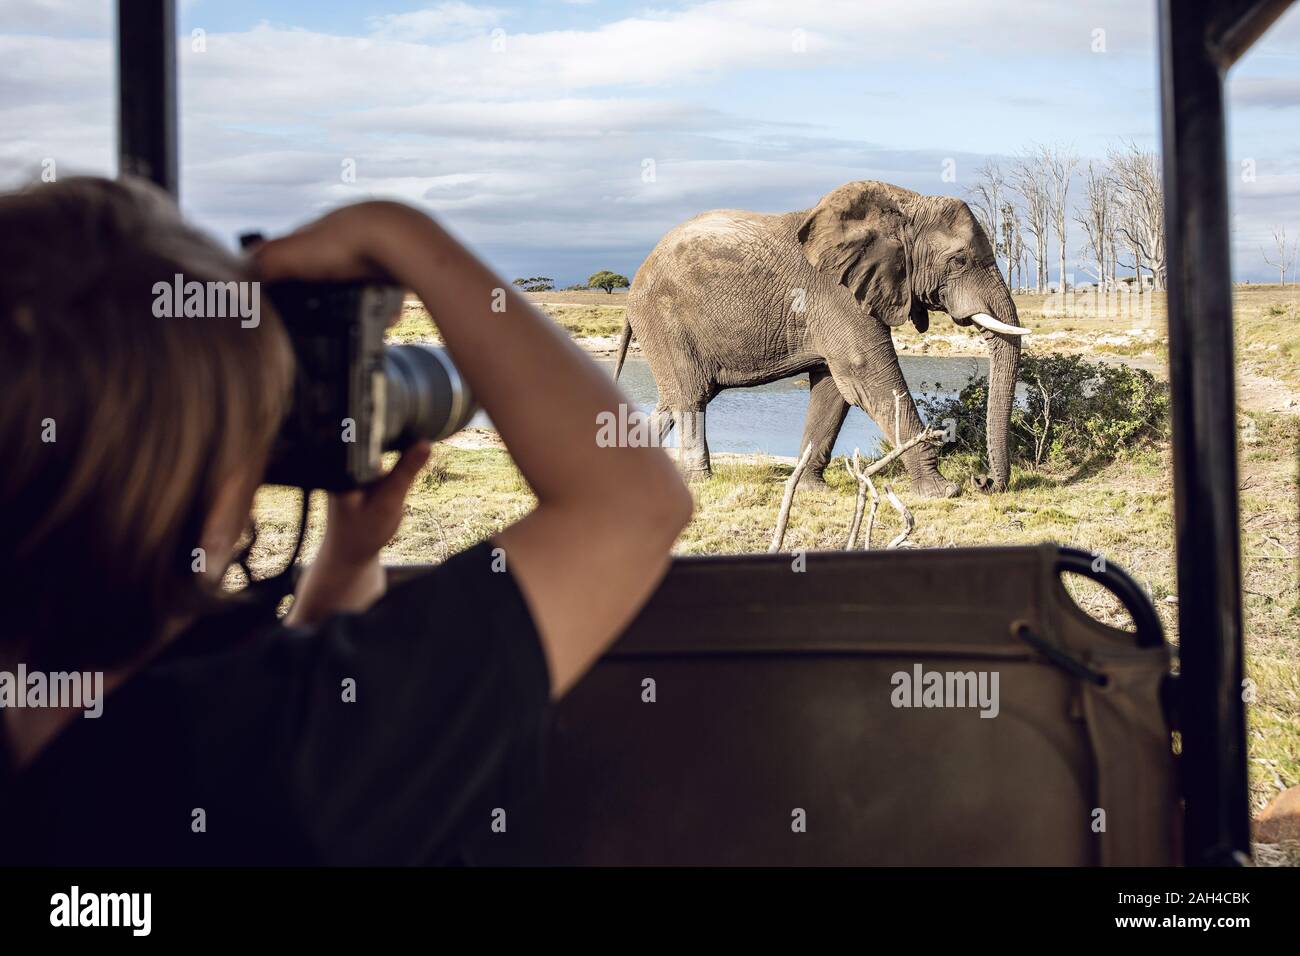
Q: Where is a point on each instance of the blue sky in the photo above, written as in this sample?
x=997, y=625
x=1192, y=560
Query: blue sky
x=527, y=126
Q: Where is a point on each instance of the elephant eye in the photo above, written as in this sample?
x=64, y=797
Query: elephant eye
x=959, y=260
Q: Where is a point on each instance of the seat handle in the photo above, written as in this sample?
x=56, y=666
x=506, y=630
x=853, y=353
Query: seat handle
x=1119, y=583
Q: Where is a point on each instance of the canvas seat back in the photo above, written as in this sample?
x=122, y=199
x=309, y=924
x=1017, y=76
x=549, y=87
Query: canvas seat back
x=754, y=714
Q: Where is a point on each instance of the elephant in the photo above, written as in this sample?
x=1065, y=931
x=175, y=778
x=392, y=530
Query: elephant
x=733, y=298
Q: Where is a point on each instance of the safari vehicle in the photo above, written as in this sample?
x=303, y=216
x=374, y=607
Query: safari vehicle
x=781, y=731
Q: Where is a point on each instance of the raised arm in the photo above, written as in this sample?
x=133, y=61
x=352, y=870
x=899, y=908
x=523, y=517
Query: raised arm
x=598, y=542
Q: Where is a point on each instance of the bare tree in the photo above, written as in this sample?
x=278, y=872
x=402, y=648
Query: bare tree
x=1097, y=218
x=1013, y=240
x=1029, y=180
x=1059, y=163
x=1284, y=256
x=1126, y=228
x=1136, y=175
x=1112, y=241
x=986, y=201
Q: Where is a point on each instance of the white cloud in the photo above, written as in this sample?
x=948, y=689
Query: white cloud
x=570, y=117
x=433, y=23
x=56, y=17
x=527, y=150
x=1272, y=92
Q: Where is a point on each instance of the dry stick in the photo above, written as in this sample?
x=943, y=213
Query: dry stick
x=908, y=521
x=931, y=434
x=778, y=536
x=863, y=478
x=864, y=484
x=871, y=518
x=853, y=469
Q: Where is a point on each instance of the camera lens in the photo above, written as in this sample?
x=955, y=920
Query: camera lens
x=424, y=396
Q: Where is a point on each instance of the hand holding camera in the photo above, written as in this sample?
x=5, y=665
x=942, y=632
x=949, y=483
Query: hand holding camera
x=354, y=399
x=598, y=540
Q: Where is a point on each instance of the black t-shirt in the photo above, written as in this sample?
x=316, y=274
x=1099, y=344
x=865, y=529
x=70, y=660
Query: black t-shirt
x=403, y=735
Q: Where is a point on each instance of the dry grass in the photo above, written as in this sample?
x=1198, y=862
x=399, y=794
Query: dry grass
x=1122, y=508
x=582, y=314
x=581, y=297
x=584, y=321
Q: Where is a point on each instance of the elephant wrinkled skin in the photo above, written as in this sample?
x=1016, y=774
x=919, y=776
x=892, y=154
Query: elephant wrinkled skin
x=733, y=298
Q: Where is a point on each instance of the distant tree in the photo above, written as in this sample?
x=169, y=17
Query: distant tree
x=1141, y=221
x=609, y=281
x=1060, y=163
x=1098, y=218
x=1285, y=256
x=1013, y=242
x=986, y=201
x=1029, y=179
x=536, y=284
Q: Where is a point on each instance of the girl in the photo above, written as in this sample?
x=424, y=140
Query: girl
x=130, y=440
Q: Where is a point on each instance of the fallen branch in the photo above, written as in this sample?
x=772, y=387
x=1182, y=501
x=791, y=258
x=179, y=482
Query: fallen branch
x=871, y=518
x=867, y=489
x=908, y=521
x=865, y=486
x=931, y=434
x=852, y=466
x=778, y=536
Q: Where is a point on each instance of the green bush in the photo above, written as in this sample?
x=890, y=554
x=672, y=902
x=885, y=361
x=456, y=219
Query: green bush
x=1067, y=411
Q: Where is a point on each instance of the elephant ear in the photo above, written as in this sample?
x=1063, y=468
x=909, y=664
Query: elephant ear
x=856, y=235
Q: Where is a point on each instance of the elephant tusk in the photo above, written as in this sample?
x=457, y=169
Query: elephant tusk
x=993, y=325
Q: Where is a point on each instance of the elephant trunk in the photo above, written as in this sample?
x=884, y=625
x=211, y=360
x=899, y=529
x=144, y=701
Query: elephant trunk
x=1004, y=361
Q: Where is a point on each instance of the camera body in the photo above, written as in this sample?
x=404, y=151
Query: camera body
x=354, y=397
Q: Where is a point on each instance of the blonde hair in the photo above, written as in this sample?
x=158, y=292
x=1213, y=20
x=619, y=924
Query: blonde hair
x=117, y=427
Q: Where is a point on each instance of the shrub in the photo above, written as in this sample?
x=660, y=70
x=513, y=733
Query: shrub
x=1067, y=411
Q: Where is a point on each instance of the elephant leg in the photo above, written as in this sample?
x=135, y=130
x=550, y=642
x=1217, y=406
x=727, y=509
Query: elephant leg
x=826, y=411
x=871, y=382
x=695, y=447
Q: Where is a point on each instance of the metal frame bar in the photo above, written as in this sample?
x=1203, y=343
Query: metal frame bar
x=146, y=91
x=1199, y=41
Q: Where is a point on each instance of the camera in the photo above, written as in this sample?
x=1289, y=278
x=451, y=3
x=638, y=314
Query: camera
x=355, y=397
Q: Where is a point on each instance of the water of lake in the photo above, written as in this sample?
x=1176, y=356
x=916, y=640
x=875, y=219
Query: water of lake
x=769, y=418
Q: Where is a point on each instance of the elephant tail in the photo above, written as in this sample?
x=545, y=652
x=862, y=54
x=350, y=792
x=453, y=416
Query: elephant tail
x=624, y=341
